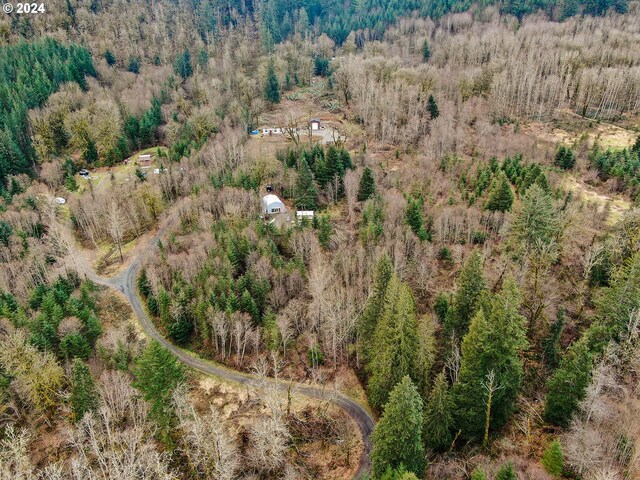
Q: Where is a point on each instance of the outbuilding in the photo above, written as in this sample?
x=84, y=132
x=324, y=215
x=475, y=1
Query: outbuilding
x=145, y=160
x=302, y=214
x=271, y=204
x=315, y=124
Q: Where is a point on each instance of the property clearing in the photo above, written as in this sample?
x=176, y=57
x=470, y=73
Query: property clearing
x=616, y=205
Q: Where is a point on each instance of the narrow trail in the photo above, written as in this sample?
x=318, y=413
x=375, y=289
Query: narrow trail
x=125, y=282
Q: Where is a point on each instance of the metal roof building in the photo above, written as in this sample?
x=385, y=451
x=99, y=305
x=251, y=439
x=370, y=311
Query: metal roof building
x=272, y=204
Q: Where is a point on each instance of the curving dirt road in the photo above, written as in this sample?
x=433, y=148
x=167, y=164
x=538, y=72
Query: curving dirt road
x=125, y=282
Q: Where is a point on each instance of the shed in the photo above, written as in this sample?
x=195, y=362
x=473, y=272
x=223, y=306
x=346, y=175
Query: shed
x=272, y=204
x=145, y=159
x=315, y=124
x=301, y=214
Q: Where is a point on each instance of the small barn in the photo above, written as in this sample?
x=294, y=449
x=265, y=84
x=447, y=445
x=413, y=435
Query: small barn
x=315, y=124
x=145, y=160
x=271, y=204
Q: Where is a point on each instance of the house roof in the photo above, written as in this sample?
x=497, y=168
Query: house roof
x=269, y=199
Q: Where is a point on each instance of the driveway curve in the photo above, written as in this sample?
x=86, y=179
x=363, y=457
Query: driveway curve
x=125, y=282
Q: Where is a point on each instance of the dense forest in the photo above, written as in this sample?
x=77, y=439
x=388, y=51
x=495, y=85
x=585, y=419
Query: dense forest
x=30, y=73
x=455, y=250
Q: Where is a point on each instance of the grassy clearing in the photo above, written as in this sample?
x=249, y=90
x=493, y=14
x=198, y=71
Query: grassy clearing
x=103, y=178
x=617, y=206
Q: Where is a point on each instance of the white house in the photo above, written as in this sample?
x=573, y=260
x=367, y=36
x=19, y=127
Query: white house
x=315, y=124
x=272, y=204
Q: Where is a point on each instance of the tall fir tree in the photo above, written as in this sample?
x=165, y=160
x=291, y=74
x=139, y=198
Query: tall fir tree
x=395, y=345
x=134, y=65
x=182, y=65
x=438, y=416
x=567, y=387
x=493, y=345
x=374, y=307
x=432, y=107
x=306, y=195
x=466, y=299
x=325, y=230
x=84, y=395
x=414, y=216
x=109, y=57
x=157, y=374
x=272, y=86
x=367, y=185
x=553, y=459
x=426, y=51
x=144, y=287
x=536, y=223
x=500, y=197
x=397, y=438
x=90, y=154
x=551, y=342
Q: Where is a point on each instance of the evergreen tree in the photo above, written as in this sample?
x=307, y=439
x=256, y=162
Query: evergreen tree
x=180, y=331
x=553, y=459
x=438, y=416
x=551, y=343
x=84, y=395
x=157, y=374
x=306, y=195
x=618, y=302
x=90, y=154
x=74, y=345
x=567, y=387
x=500, y=195
x=374, y=307
x=426, y=51
x=478, y=474
x=441, y=307
x=397, y=438
x=466, y=299
x=134, y=65
x=536, y=223
x=565, y=158
x=182, y=65
x=492, y=347
x=6, y=230
x=143, y=284
x=398, y=474
x=570, y=9
x=506, y=472
x=395, y=344
x=367, y=185
x=272, y=86
x=109, y=57
x=432, y=107
x=325, y=231
x=415, y=218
